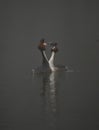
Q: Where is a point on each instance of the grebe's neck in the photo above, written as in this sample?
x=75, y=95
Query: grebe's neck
x=45, y=59
x=51, y=61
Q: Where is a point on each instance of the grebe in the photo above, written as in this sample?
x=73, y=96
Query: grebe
x=54, y=50
x=42, y=48
x=45, y=64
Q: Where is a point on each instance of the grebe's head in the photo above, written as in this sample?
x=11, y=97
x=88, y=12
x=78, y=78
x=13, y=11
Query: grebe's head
x=42, y=45
x=54, y=47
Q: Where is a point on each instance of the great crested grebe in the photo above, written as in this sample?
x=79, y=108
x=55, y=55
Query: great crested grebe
x=53, y=67
x=45, y=64
x=42, y=48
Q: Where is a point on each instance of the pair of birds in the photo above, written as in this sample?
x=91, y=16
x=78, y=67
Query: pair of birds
x=49, y=64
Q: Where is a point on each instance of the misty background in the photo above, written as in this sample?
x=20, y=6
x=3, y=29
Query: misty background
x=71, y=23
x=74, y=25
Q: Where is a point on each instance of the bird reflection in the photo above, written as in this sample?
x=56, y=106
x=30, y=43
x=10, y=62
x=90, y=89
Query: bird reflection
x=52, y=91
x=48, y=93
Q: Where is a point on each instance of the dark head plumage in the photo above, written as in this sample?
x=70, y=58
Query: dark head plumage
x=54, y=47
x=42, y=44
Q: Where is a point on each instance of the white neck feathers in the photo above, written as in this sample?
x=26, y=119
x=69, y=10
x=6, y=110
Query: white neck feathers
x=51, y=61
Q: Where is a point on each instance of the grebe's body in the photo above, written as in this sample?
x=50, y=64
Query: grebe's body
x=53, y=67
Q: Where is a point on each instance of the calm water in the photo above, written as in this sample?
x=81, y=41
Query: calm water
x=49, y=101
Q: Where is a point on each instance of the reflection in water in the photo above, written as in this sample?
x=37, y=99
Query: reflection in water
x=48, y=93
x=52, y=91
x=49, y=83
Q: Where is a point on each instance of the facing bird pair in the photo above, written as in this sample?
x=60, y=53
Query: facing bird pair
x=49, y=63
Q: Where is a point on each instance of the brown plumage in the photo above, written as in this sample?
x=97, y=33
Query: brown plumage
x=42, y=45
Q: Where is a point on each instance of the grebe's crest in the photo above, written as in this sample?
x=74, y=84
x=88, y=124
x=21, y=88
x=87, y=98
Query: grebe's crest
x=54, y=47
x=42, y=44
